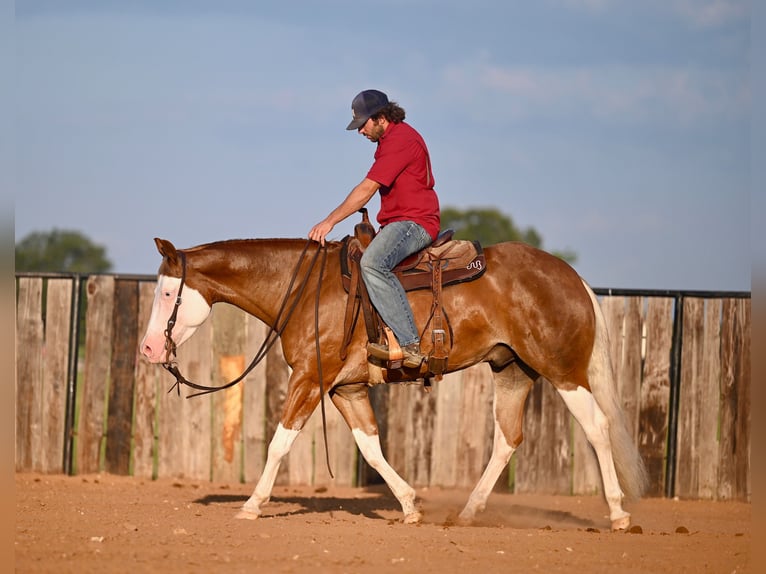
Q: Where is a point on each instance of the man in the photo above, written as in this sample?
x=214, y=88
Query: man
x=409, y=214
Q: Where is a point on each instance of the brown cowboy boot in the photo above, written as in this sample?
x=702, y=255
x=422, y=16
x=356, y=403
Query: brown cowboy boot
x=412, y=358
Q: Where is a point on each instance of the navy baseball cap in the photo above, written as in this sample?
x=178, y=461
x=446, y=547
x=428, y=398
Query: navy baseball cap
x=365, y=105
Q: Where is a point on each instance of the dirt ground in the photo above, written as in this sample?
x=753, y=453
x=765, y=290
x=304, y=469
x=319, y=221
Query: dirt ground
x=105, y=523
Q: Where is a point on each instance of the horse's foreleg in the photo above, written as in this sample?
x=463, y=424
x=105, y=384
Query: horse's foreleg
x=584, y=408
x=300, y=402
x=353, y=402
x=278, y=448
x=511, y=388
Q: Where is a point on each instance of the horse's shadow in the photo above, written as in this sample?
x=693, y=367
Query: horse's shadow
x=369, y=506
x=382, y=506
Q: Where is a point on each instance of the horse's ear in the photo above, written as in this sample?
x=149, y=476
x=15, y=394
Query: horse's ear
x=166, y=249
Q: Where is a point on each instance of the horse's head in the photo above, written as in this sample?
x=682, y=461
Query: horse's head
x=192, y=308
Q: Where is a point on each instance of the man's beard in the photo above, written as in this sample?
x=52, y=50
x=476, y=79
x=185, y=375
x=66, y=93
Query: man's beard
x=376, y=132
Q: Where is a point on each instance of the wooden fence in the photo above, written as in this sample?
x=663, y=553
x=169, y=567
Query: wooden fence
x=90, y=404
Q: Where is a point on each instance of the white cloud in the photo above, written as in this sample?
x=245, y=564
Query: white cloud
x=711, y=13
x=697, y=13
x=621, y=94
x=588, y=5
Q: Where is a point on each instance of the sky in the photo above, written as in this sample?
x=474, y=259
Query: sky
x=619, y=130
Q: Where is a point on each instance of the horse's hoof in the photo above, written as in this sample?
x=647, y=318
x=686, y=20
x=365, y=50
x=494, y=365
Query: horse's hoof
x=621, y=523
x=462, y=520
x=247, y=515
x=413, y=517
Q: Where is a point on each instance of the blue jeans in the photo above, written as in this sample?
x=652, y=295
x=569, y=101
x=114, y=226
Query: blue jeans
x=393, y=243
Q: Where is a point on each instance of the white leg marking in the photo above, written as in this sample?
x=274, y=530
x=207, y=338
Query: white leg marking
x=278, y=448
x=583, y=406
x=369, y=446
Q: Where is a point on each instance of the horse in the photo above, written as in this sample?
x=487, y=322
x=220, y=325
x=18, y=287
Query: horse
x=530, y=316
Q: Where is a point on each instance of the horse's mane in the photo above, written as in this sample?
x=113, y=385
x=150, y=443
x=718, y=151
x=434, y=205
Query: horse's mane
x=238, y=243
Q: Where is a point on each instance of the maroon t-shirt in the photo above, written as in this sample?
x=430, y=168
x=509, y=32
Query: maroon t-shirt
x=403, y=169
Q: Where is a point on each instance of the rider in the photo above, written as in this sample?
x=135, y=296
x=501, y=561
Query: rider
x=409, y=215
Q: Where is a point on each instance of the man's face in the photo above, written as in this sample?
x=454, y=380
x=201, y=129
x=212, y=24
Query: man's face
x=373, y=129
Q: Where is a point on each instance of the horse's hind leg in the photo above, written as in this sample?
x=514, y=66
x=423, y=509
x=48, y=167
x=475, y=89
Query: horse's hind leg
x=512, y=385
x=353, y=402
x=582, y=404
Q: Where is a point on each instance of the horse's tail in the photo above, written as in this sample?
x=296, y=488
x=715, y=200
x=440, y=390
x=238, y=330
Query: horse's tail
x=630, y=468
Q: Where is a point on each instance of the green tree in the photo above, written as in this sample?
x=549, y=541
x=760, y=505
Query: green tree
x=489, y=226
x=60, y=251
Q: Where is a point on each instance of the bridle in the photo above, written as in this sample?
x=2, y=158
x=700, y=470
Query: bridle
x=170, y=345
x=275, y=331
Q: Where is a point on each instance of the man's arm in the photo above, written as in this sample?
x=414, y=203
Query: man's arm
x=356, y=200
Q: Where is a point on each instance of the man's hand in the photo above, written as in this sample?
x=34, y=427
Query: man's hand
x=320, y=231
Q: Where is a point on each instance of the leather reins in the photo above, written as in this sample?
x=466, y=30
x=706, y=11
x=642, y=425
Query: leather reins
x=275, y=331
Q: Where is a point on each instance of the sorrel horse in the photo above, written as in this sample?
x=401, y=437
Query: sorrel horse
x=529, y=316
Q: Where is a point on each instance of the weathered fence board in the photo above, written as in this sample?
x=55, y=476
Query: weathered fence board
x=655, y=392
x=708, y=405
x=707, y=394
x=127, y=422
x=687, y=479
x=734, y=480
x=122, y=384
x=58, y=326
x=29, y=358
x=41, y=373
x=95, y=382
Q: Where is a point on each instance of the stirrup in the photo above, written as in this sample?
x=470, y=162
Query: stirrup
x=397, y=357
x=382, y=352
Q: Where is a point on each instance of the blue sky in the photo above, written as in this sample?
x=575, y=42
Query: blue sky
x=618, y=129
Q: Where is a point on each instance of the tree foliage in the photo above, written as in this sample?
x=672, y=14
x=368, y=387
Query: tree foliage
x=60, y=251
x=489, y=226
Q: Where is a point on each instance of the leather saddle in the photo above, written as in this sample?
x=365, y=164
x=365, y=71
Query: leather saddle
x=460, y=260
x=445, y=262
